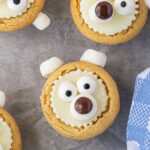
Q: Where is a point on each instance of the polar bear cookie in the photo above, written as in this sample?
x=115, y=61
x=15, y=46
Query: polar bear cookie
x=109, y=21
x=17, y=14
x=80, y=100
x=10, y=138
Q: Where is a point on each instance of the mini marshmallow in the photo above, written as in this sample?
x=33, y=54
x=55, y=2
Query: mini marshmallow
x=2, y=99
x=42, y=21
x=50, y=65
x=147, y=2
x=94, y=57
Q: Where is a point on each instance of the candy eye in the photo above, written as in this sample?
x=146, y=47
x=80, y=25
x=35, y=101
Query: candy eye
x=86, y=85
x=101, y=12
x=67, y=91
x=124, y=7
x=16, y=5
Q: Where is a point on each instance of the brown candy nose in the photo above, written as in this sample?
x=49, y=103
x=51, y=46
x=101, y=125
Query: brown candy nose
x=83, y=105
x=104, y=10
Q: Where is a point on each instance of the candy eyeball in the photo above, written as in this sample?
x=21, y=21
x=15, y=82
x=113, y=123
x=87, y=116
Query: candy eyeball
x=101, y=12
x=86, y=84
x=83, y=107
x=67, y=91
x=16, y=5
x=124, y=7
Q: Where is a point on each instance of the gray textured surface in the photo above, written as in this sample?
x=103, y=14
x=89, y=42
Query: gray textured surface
x=22, y=52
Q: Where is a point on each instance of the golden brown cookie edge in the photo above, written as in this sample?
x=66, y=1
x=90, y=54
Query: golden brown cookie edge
x=19, y=22
x=93, y=130
x=17, y=142
x=119, y=38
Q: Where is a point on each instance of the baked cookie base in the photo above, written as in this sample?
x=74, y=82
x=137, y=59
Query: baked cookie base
x=17, y=144
x=118, y=38
x=102, y=123
x=19, y=22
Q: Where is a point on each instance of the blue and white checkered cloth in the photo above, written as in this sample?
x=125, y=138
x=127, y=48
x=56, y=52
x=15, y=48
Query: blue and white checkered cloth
x=138, y=129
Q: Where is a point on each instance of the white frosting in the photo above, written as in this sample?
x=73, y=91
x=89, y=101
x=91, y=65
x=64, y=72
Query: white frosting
x=6, y=12
x=83, y=117
x=5, y=135
x=117, y=24
x=62, y=108
x=86, y=80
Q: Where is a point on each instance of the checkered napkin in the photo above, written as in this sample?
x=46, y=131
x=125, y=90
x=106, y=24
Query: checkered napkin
x=138, y=129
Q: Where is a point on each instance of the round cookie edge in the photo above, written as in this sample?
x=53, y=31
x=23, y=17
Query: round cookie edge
x=17, y=142
x=119, y=38
x=20, y=22
x=101, y=124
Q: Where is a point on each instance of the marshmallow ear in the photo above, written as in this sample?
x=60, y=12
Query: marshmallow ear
x=42, y=21
x=2, y=99
x=147, y=2
x=49, y=66
x=94, y=57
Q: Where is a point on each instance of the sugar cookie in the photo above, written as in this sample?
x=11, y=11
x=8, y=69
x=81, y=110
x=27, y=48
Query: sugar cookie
x=17, y=14
x=10, y=138
x=80, y=100
x=109, y=21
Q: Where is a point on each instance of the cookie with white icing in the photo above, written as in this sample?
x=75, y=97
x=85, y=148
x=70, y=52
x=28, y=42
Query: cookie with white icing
x=10, y=138
x=80, y=100
x=109, y=21
x=17, y=14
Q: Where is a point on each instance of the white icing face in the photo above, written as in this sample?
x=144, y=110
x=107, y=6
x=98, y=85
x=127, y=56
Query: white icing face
x=13, y=8
x=109, y=16
x=78, y=98
x=5, y=136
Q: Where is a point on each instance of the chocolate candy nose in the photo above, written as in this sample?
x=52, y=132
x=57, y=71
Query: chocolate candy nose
x=83, y=105
x=104, y=10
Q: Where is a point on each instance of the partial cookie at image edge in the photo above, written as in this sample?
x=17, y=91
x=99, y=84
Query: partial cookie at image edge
x=19, y=22
x=16, y=136
x=119, y=38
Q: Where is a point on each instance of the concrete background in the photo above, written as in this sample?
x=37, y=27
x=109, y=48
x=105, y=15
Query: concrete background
x=21, y=53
